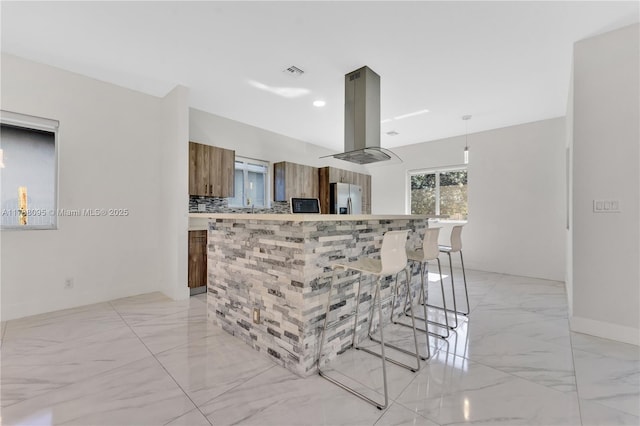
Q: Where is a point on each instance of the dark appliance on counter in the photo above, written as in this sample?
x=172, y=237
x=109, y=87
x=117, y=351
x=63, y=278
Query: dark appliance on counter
x=305, y=205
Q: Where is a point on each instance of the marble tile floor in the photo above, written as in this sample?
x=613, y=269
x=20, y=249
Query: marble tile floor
x=148, y=360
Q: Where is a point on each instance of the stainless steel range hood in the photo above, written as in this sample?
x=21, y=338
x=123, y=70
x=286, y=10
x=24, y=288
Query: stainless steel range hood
x=362, y=119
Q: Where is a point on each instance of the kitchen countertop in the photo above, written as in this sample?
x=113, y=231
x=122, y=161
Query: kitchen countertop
x=310, y=217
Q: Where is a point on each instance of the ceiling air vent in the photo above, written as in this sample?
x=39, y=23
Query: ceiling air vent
x=293, y=71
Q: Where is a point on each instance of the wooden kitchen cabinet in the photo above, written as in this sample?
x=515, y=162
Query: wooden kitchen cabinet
x=197, y=269
x=211, y=170
x=294, y=180
x=327, y=175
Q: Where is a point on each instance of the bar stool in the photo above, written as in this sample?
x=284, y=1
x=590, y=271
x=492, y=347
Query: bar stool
x=456, y=246
x=429, y=251
x=393, y=259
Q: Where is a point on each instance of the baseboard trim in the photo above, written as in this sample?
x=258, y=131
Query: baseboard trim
x=606, y=330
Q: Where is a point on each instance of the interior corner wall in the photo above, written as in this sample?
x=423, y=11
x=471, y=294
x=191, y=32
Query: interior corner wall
x=516, y=195
x=175, y=192
x=606, y=152
x=108, y=157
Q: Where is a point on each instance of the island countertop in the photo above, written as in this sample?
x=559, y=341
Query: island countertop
x=268, y=278
x=311, y=217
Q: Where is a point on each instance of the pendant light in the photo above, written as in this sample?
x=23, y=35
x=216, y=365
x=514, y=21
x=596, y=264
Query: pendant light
x=466, y=119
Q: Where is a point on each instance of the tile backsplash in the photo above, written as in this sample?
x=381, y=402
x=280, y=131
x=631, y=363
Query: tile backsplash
x=221, y=205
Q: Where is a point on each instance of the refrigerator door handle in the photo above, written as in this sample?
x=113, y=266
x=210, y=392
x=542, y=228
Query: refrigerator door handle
x=349, y=206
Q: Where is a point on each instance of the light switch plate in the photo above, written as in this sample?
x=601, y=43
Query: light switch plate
x=606, y=206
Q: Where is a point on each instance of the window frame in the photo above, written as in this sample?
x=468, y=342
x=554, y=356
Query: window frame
x=436, y=171
x=267, y=174
x=31, y=122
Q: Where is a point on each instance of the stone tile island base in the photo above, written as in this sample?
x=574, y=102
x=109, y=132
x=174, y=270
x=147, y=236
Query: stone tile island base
x=280, y=265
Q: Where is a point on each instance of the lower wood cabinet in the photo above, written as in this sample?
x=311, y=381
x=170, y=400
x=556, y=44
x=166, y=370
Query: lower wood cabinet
x=197, y=259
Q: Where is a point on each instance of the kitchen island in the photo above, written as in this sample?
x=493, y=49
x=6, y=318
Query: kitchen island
x=269, y=275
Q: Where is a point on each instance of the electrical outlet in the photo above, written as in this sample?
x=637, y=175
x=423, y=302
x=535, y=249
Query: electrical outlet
x=68, y=283
x=606, y=206
x=202, y=207
x=256, y=315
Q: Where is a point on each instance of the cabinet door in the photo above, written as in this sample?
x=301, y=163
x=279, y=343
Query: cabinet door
x=211, y=170
x=294, y=180
x=366, y=193
x=198, y=169
x=197, y=270
x=279, y=181
x=228, y=170
x=301, y=181
x=221, y=172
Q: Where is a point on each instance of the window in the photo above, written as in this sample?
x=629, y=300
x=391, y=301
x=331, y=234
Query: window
x=250, y=183
x=28, y=170
x=440, y=192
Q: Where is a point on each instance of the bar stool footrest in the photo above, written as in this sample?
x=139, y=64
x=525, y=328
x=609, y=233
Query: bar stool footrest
x=351, y=391
x=448, y=310
x=391, y=360
x=431, y=333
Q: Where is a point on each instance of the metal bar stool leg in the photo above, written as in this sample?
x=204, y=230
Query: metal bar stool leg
x=466, y=292
x=454, y=311
x=424, y=303
x=415, y=338
x=326, y=321
x=383, y=357
x=322, y=339
x=355, y=324
x=408, y=306
x=392, y=260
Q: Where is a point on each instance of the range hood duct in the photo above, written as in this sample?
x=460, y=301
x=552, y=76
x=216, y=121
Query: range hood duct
x=362, y=119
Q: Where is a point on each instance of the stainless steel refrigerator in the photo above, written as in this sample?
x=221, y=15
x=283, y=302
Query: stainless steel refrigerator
x=345, y=198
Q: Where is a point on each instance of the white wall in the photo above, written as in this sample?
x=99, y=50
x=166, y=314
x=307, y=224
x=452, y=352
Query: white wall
x=113, y=144
x=253, y=142
x=174, y=192
x=569, y=196
x=606, y=135
x=516, y=195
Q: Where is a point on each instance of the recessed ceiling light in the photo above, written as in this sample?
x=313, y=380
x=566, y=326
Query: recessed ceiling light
x=411, y=114
x=319, y=103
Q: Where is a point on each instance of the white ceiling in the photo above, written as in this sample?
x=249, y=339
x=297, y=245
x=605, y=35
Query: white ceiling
x=503, y=62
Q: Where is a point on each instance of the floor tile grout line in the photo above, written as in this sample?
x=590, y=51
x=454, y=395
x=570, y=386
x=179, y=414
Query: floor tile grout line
x=150, y=319
x=245, y=381
x=573, y=361
x=401, y=406
x=168, y=374
x=409, y=408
